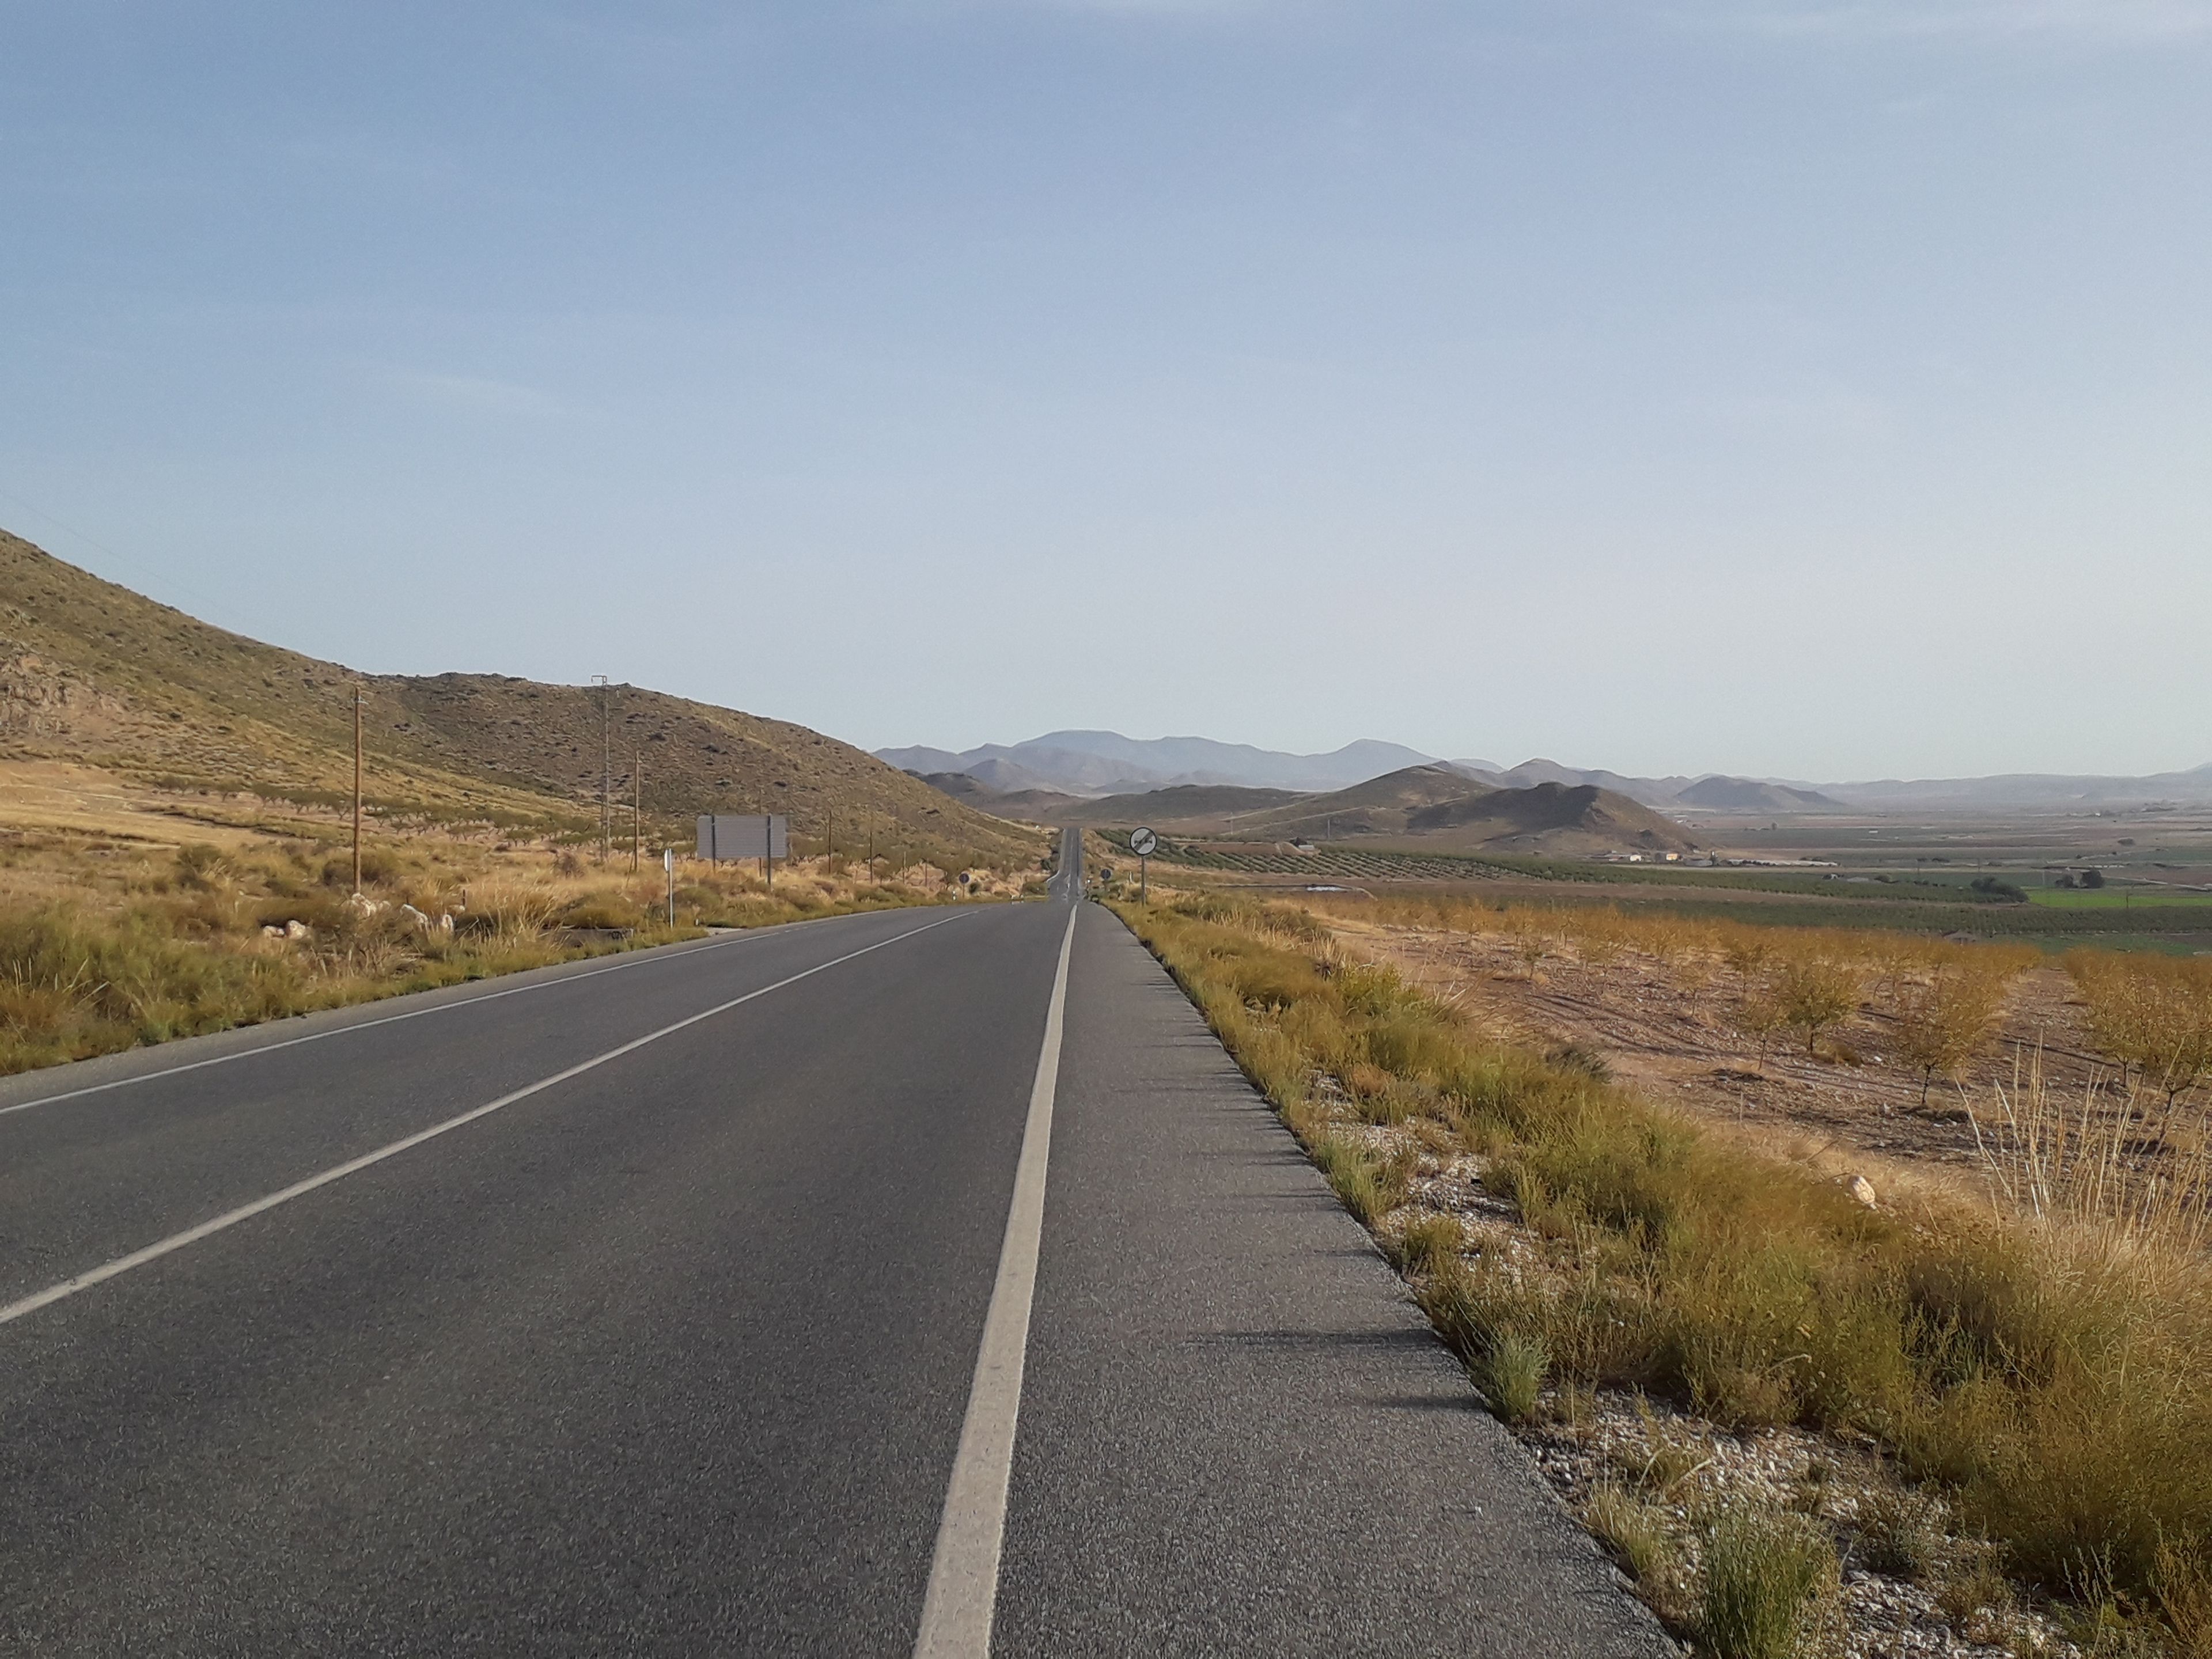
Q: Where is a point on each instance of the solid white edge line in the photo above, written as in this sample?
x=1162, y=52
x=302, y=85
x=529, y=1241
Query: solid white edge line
x=154, y=1252
x=640, y=959
x=964, y=1571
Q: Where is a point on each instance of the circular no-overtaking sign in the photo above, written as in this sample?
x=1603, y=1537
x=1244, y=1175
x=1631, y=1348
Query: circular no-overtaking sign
x=1143, y=842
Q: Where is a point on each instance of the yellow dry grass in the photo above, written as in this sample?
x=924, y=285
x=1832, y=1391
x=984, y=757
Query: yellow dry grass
x=123, y=921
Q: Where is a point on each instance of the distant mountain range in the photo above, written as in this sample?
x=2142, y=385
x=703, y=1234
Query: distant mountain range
x=1099, y=764
x=2030, y=790
x=1108, y=763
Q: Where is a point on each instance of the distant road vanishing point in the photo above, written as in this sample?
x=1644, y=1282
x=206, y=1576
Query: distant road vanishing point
x=919, y=1281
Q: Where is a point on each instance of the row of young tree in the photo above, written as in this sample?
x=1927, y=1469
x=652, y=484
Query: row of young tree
x=1940, y=1017
x=2153, y=1014
x=1943, y=1002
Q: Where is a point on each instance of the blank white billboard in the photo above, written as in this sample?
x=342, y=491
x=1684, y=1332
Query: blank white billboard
x=744, y=836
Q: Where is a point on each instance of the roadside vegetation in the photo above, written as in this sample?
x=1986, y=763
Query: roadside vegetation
x=2017, y=1387
x=106, y=945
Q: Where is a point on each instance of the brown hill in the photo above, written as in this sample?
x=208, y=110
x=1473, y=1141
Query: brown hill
x=1551, y=818
x=1435, y=808
x=1380, y=806
x=1726, y=794
x=95, y=673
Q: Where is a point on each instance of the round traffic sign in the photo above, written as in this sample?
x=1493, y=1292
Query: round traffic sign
x=1143, y=842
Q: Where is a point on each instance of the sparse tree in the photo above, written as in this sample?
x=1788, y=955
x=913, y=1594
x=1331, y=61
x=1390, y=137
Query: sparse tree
x=2175, y=1025
x=1942, y=1023
x=1814, y=992
x=1748, y=950
x=2118, y=995
x=1760, y=1016
x=1531, y=943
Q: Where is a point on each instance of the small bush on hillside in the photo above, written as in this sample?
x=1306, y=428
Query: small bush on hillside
x=1901, y=1534
x=604, y=908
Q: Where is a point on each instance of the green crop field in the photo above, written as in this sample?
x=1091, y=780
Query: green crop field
x=2105, y=898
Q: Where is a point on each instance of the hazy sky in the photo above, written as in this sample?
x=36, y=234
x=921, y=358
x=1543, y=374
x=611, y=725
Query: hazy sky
x=1816, y=389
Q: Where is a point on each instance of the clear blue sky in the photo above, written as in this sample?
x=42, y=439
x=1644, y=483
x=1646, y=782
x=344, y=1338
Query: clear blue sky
x=1814, y=389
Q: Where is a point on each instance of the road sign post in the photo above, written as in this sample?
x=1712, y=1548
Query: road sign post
x=1144, y=843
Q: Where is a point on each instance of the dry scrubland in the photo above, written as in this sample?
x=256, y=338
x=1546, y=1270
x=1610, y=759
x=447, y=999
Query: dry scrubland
x=106, y=943
x=169, y=790
x=1880, y=1043
x=1972, y=1415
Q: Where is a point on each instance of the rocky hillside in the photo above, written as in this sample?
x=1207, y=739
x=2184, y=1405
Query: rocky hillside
x=93, y=673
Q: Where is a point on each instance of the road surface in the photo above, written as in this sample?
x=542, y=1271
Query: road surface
x=925, y=1281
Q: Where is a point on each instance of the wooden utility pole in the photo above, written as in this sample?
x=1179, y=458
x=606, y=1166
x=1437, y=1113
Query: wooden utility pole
x=636, y=807
x=356, y=788
x=606, y=776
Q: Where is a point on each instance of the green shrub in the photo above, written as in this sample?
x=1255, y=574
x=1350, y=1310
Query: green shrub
x=1901, y=1534
x=1511, y=1375
x=605, y=909
x=1370, y=1187
x=1430, y=1244
x=1766, y=1576
x=1635, y=1531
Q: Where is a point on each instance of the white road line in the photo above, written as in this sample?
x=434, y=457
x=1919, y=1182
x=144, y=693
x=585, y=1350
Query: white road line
x=154, y=1252
x=641, y=960
x=963, y=1574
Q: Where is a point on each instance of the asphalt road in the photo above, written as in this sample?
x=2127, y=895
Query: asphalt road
x=641, y=1307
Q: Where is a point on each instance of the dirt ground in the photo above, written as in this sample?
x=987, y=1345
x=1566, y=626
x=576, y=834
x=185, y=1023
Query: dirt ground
x=1666, y=1030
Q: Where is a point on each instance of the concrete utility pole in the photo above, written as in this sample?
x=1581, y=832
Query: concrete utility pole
x=636, y=807
x=607, y=775
x=357, y=786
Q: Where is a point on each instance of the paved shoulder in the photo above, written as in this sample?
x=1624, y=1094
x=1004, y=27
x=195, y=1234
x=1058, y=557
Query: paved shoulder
x=1237, y=1437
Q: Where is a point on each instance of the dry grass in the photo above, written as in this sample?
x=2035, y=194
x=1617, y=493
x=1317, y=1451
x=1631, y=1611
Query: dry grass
x=2046, y=1372
x=2076, y=1162
x=106, y=945
x=1768, y=1579
x=1637, y=1533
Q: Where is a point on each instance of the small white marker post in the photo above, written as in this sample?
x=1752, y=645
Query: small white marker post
x=668, y=864
x=1144, y=843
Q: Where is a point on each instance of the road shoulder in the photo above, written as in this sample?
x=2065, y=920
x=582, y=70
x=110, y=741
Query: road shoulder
x=1238, y=1436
